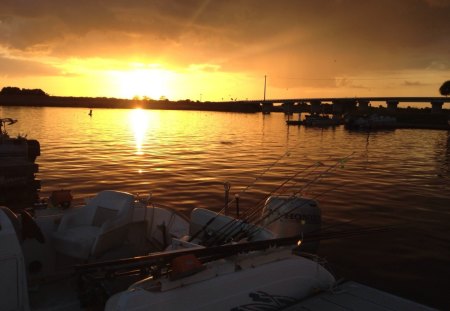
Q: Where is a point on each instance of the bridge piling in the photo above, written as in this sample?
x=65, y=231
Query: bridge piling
x=363, y=105
x=267, y=107
x=288, y=108
x=436, y=107
x=392, y=105
x=316, y=106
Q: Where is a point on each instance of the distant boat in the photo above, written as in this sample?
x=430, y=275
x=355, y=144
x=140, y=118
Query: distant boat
x=320, y=120
x=370, y=122
x=315, y=120
x=294, y=122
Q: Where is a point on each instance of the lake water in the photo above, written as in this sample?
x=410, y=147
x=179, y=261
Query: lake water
x=399, y=177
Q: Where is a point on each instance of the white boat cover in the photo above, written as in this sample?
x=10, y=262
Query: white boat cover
x=276, y=284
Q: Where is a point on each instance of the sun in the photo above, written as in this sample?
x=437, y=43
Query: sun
x=144, y=83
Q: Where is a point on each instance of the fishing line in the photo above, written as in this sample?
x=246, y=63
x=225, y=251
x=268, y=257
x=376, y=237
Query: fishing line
x=255, y=209
x=316, y=165
x=225, y=231
x=230, y=234
x=287, y=153
x=340, y=161
x=96, y=272
x=246, y=231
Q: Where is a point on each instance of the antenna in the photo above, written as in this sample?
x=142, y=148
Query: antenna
x=265, y=82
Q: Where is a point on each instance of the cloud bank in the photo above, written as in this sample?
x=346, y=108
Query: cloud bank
x=302, y=42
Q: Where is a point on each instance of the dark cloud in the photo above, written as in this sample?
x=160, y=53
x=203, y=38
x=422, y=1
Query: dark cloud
x=286, y=37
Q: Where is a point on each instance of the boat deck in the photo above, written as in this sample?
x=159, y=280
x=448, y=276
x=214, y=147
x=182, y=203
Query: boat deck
x=354, y=296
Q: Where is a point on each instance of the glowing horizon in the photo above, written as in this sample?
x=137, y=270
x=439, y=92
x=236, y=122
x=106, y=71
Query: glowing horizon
x=216, y=51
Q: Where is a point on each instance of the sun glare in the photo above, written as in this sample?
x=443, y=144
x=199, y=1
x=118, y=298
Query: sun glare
x=144, y=82
x=139, y=121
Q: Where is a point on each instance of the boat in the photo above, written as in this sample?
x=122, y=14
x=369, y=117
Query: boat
x=268, y=279
x=263, y=271
x=40, y=247
x=17, y=147
x=370, y=122
x=263, y=275
x=320, y=120
x=17, y=166
x=315, y=119
x=294, y=122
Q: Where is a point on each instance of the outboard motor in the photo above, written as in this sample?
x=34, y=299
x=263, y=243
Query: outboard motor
x=288, y=216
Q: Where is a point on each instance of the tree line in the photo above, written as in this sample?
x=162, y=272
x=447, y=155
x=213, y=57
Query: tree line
x=11, y=90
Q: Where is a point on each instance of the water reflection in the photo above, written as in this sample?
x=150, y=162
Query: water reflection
x=139, y=121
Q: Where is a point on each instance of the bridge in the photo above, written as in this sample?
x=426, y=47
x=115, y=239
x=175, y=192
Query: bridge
x=341, y=104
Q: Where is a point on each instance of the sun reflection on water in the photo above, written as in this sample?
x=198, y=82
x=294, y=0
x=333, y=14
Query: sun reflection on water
x=139, y=121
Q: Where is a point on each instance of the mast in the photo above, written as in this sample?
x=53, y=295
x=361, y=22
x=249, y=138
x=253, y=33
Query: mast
x=265, y=81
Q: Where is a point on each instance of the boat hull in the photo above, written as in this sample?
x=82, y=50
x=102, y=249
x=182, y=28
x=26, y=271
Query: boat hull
x=276, y=284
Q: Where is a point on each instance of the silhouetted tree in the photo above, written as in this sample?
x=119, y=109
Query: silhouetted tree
x=445, y=88
x=11, y=90
x=37, y=92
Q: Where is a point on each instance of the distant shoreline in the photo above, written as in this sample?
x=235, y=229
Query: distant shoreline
x=414, y=118
x=104, y=102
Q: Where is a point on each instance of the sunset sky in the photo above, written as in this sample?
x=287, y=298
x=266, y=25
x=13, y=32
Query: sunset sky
x=222, y=49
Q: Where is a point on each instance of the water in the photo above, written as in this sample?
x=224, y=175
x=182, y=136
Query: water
x=399, y=177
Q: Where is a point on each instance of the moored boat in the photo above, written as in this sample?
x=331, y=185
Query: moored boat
x=370, y=122
x=320, y=120
x=261, y=280
x=17, y=147
x=39, y=251
x=294, y=122
x=17, y=166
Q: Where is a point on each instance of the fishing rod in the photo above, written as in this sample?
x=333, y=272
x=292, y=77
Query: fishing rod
x=234, y=224
x=95, y=280
x=256, y=228
x=258, y=206
x=316, y=165
x=277, y=208
x=194, y=236
x=159, y=260
x=230, y=234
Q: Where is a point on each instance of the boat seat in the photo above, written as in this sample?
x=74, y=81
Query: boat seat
x=100, y=225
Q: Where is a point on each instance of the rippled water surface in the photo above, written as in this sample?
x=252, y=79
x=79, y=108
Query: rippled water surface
x=399, y=178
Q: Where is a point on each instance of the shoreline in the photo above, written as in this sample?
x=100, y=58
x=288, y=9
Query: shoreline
x=114, y=103
x=407, y=118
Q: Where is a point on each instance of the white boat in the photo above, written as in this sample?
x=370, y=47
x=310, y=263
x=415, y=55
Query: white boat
x=320, y=120
x=261, y=280
x=371, y=122
x=37, y=254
